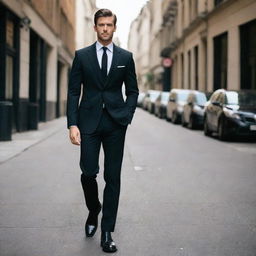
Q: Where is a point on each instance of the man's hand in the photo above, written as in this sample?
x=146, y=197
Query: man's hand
x=74, y=135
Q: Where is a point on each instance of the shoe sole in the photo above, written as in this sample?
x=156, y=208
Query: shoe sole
x=104, y=250
x=108, y=251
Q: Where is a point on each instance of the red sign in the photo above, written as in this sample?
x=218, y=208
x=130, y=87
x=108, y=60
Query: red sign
x=167, y=62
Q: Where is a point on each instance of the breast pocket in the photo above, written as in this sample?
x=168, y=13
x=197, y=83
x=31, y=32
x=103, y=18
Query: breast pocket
x=121, y=68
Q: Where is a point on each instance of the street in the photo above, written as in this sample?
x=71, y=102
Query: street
x=183, y=194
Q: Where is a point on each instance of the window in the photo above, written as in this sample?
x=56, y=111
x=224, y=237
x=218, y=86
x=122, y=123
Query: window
x=220, y=61
x=248, y=55
x=217, y=2
x=189, y=70
x=9, y=62
x=182, y=71
x=190, y=98
x=201, y=99
x=9, y=78
x=196, y=67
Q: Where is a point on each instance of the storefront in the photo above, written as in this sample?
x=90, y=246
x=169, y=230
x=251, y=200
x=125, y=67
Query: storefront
x=9, y=62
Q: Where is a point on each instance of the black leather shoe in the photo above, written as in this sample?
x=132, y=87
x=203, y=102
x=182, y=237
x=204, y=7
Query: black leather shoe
x=92, y=223
x=107, y=243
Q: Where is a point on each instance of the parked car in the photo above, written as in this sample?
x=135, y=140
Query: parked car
x=149, y=101
x=175, y=105
x=193, y=112
x=231, y=113
x=140, y=99
x=161, y=103
x=145, y=101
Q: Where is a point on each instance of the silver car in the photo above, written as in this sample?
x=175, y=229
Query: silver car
x=177, y=100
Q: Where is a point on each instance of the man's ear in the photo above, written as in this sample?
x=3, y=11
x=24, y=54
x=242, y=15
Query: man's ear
x=115, y=29
x=95, y=28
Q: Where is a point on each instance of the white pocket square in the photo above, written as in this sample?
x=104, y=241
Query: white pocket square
x=120, y=66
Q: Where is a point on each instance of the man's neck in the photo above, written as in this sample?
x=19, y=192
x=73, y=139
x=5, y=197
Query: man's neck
x=105, y=43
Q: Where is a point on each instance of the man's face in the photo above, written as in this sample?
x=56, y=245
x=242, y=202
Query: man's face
x=105, y=29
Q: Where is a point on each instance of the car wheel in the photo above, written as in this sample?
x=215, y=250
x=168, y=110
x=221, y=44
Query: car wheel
x=174, y=117
x=164, y=113
x=207, y=132
x=191, y=123
x=222, y=132
x=152, y=109
x=167, y=117
x=160, y=113
x=183, y=121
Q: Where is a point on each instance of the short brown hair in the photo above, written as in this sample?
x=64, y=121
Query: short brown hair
x=104, y=13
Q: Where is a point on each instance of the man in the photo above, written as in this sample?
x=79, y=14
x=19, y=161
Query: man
x=101, y=118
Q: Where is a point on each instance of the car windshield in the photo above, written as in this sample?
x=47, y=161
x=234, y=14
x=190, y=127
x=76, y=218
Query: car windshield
x=182, y=96
x=241, y=98
x=165, y=96
x=154, y=95
x=201, y=99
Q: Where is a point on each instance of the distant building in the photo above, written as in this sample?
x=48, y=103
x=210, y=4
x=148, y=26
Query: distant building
x=156, y=69
x=139, y=44
x=215, y=46
x=210, y=43
x=85, y=34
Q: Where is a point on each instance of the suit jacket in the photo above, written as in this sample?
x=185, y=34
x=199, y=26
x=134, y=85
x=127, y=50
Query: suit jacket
x=96, y=92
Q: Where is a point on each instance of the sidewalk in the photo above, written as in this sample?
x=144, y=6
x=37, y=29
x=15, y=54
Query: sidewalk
x=22, y=141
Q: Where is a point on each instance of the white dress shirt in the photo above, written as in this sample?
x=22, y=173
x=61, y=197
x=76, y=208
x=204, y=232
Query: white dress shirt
x=100, y=51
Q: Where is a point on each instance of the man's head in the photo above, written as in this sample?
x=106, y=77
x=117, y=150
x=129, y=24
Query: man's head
x=105, y=25
x=104, y=13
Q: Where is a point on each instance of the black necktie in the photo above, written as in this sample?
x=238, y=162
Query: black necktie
x=104, y=63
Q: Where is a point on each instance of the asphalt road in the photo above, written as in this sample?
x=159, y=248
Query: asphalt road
x=183, y=194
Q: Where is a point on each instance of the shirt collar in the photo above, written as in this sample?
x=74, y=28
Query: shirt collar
x=109, y=46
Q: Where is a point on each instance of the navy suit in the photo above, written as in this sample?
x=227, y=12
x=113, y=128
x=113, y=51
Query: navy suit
x=96, y=92
x=102, y=118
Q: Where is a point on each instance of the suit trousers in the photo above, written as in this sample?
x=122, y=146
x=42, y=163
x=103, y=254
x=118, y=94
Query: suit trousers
x=111, y=136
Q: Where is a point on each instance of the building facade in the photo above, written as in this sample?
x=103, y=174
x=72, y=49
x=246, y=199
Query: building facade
x=215, y=45
x=156, y=70
x=211, y=44
x=37, y=43
x=85, y=34
x=139, y=44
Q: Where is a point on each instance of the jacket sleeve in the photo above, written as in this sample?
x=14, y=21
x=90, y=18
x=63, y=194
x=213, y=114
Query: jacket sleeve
x=131, y=88
x=74, y=91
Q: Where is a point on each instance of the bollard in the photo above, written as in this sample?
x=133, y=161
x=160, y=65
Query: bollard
x=6, y=108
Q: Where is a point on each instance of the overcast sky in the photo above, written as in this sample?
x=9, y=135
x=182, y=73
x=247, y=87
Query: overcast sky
x=126, y=11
